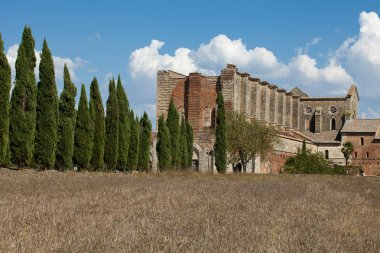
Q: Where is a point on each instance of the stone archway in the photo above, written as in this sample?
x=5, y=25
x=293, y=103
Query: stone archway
x=196, y=157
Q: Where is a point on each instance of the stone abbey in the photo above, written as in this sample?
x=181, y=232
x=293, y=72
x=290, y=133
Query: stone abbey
x=324, y=122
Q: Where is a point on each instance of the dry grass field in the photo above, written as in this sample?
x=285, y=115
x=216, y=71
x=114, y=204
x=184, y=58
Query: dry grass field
x=187, y=212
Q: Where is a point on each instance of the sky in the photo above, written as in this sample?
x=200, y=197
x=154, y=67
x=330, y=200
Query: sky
x=321, y=46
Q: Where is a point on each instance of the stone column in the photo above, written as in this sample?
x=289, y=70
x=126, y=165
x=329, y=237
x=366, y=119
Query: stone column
x=273, y=104
x=296, y=100
x=280, y=107
x=255, y=98
x=289, y=110
x=227, y=84
x=263, y=102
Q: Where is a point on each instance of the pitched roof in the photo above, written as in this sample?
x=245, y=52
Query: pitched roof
x=322, y=137
x=352, y=91
x=361, y=126
x=298, y=92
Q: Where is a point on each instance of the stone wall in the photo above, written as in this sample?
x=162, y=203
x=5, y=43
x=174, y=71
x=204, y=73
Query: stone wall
x=193, y=95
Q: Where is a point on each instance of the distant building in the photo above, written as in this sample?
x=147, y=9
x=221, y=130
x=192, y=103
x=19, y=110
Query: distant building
x=324, y=122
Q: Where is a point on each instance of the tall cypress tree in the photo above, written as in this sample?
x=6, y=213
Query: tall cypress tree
x=145, y=135
x=23, y=103
x=124, y=126
x=47, y=112
x=163, y=145
x=133, y=152
x=189, y=142
x=220, y=137
x=184, y=153
x=112, y=128
x=84, y=132
x=172, y=123
x=65, y=146
x=97, y=116
x=5, y=87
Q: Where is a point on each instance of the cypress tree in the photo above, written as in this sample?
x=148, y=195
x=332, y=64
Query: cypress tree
x=133, y=152
x=184, y=153
x=5, y=87
x=221, y=137
x=66, y=125
x=124, y=126
x=145, y=135
x=112, y=128
x=163, y=145
x=97, y=116
x=23, y=103
x=84, y=132
x=47, y=112
x=172, y=123
x=189, y=142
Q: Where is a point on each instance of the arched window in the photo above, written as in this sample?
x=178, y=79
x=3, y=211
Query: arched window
x=207, y=117
x=367, y=155
x=362, y=141
x=326, y=154
x=333, y=124
x=307, y=124
x=181, y=112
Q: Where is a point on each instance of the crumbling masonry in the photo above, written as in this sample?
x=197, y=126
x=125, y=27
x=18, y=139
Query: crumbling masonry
x=324, y=122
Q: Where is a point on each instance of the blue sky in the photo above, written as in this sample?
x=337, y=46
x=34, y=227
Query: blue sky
x=320, y=46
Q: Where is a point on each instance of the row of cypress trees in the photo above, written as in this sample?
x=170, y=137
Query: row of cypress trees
x=39, y=130
x=174, y=141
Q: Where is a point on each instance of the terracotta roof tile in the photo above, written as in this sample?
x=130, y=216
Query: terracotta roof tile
x=361, y=126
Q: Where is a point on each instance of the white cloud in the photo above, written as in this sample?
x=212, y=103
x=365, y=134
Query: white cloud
x=59, y=62
x=356, y=61
x=211, y=57
x=360, y=55
x=146, y=61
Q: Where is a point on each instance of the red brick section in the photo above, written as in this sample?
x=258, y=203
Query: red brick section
x=370, y=165
x=178, y=95
x=200, y=93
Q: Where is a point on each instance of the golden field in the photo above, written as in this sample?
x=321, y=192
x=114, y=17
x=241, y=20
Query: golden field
x=50, y=211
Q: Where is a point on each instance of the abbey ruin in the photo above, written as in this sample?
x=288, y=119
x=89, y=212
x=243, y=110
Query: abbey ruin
x=324, y=122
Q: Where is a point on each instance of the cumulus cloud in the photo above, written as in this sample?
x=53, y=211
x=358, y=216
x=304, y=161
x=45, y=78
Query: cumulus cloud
x=147, y=60
x=211, y=57
x=360, y=55
x=59, y=62
x=356, y=61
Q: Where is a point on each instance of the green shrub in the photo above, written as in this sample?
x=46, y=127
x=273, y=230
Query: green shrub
x=307, y=162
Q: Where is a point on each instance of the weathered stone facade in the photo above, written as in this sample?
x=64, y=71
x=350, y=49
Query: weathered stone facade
x=319, y=120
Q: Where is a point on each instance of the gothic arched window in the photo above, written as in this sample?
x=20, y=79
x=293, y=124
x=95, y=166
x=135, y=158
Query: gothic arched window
x=181, y=112
x=333, y=124
x=207, y=117
x=307, y=124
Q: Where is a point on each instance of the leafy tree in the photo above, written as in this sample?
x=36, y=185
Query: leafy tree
x=220, y=147
x=97, y=116
x=172, y=123
x=310, y=163
x=245, y=140
x=347, y=149
x=5, y=87
x=23, y=103
x=124, y=126
x=183, y=146
x=84, y=132
x=112, y=128
x=47, y=112
x=163, y=145
x=189, y=142
x=66, y=126
x=133, y=151
x=145, y=135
